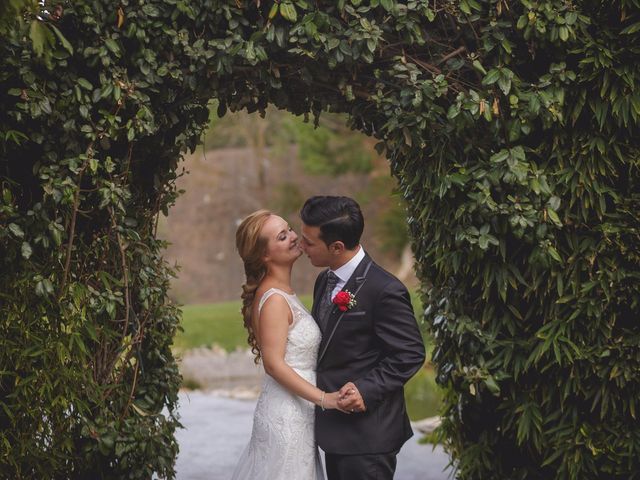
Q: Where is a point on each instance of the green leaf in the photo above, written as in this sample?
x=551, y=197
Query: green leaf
x=41, y=37
x=273, y=11
x=492, y=385
x=288, y=11
x=139, y=410
x=431, y=14
x=387, y=4
x=492, y=77
x=371, y=45
x=518, y=153
x=478, y=66
x=16, y=230
x=515, y=311
x=504, y=82
x=84, y=83
x=564, y=33
x=150, y=10
x=554, y=254
x=499, y=157
x=113, y=46
x=56, y=235
x=522, y=22
x=631, y=29
x=407, y=136
x=26, y=250
x=40, y=290
x=554, y=216
x=65, y=43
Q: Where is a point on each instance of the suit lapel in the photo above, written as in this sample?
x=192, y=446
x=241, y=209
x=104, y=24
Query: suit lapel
x=353, y=285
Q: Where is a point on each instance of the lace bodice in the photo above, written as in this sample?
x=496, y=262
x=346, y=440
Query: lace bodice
x=282, y=445
x=304, y=335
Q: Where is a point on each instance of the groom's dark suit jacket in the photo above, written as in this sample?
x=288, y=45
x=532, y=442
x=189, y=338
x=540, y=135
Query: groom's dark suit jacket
x=377, y=345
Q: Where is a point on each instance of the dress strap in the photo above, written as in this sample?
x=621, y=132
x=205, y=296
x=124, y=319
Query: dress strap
x=268, y=294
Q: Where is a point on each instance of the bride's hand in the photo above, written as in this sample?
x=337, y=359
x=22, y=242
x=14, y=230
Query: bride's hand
x=331, y=402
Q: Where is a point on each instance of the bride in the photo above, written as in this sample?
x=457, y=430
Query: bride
x=284, y=335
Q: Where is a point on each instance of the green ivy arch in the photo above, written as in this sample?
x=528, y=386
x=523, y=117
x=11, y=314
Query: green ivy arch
x=510, y=125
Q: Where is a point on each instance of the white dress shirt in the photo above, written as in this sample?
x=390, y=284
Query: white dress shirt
x=345, y=271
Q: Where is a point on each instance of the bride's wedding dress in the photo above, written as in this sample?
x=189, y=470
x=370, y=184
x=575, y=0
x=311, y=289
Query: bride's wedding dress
x=282, y=445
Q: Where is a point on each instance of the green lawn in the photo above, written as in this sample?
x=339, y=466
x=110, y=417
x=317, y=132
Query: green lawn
x=221, y=324
x=215, y=324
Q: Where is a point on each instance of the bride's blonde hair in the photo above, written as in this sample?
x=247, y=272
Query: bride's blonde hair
x=252, y=248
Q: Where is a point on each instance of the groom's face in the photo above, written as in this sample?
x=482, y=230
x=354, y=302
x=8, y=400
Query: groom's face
x=314, y=247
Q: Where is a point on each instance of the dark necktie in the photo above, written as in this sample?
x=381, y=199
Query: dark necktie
x=325, y=300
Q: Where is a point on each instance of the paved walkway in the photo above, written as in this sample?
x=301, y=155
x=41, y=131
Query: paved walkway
x=217, y=430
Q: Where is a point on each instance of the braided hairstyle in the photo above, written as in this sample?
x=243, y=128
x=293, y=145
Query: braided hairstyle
x=252, y=247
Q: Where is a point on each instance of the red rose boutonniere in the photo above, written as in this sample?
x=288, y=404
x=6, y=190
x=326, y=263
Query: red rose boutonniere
x=345, y=300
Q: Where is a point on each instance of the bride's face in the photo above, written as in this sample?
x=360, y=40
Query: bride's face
x=282, y=242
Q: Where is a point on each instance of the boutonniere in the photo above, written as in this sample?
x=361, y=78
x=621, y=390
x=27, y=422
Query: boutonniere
x=345, y=300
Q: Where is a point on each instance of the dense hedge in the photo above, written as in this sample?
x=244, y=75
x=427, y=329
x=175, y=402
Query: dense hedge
x=511, y=126
x=528, y=224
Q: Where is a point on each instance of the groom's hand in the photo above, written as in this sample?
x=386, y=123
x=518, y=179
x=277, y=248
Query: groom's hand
x=349, y=399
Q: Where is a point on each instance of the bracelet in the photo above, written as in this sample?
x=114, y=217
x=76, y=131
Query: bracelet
x=322, y=401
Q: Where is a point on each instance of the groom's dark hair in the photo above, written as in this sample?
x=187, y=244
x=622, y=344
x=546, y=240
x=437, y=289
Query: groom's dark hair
x=339, y=219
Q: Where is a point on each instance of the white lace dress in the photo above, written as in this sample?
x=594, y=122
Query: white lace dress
x=282, y=445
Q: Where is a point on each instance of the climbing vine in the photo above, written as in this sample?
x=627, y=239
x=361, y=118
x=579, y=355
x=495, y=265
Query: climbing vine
x=511, y=127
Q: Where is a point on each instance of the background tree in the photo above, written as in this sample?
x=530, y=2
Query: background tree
x=328, y=148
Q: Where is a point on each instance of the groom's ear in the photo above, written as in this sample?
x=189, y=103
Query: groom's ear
x=337, y=247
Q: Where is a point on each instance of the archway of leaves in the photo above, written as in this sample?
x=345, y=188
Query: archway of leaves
x=511, y=126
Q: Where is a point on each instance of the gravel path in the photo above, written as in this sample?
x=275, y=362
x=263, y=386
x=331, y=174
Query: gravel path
x=218, y=428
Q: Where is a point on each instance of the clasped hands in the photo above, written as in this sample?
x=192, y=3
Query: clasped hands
x=350, y=400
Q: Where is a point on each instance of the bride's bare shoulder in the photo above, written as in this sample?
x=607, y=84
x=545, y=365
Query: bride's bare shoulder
x=257, y=299
x=260, y=291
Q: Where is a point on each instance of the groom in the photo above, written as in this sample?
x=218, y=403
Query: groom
x=368, y=351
